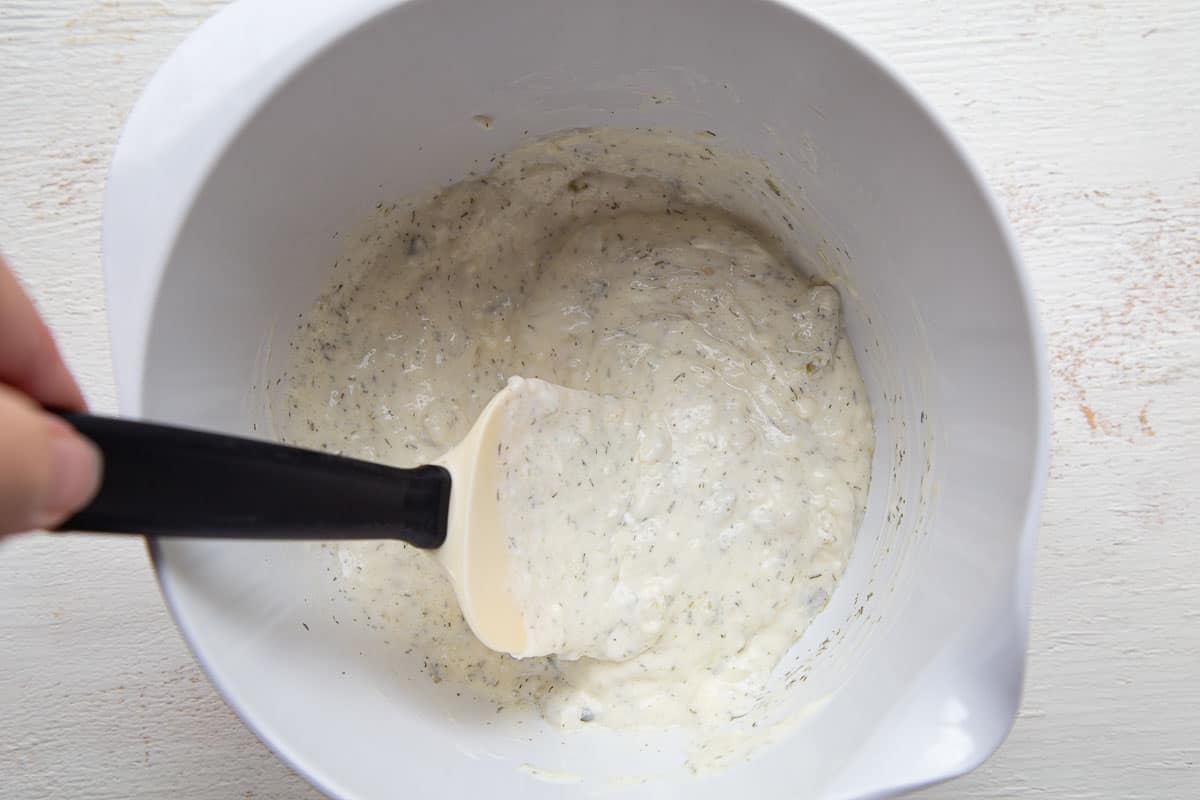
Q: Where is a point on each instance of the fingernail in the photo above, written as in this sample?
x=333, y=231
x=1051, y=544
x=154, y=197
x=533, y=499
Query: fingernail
x=75, y=465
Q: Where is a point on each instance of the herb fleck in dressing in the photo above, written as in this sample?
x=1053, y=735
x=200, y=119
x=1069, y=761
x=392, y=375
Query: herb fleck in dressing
x=683, y=477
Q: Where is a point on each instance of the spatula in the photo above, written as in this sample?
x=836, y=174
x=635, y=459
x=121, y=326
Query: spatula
x=161, y=480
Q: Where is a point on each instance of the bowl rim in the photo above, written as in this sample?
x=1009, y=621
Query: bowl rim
x=313, y=27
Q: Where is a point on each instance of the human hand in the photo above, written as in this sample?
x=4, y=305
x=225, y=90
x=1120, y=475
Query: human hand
x=47, y=470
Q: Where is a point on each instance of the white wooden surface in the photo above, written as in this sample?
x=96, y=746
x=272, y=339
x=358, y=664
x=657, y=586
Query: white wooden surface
x=1086, y=118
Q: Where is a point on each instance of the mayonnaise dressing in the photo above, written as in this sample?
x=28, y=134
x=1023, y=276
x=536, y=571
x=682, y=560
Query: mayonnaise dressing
x=684, y=504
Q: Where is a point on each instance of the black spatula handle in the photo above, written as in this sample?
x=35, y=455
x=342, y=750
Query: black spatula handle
x=167, y=481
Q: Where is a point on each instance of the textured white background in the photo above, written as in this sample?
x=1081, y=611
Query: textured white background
x=1085, y=117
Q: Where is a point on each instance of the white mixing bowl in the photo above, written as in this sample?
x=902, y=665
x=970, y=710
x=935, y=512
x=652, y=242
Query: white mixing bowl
x=279, y=124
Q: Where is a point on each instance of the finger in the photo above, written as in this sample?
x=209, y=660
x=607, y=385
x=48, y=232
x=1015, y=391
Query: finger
x=29, y=359
x=47, y=470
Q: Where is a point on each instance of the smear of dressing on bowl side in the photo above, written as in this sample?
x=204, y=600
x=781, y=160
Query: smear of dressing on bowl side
x=684, y=506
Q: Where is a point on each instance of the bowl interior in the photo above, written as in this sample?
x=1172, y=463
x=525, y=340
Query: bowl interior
x=913, y=671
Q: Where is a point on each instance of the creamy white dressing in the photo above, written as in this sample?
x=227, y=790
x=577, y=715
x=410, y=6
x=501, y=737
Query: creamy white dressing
x=571, y=467
x=683, y=501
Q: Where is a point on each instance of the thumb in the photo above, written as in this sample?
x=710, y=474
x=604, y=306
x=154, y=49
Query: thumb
x=47, y=470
